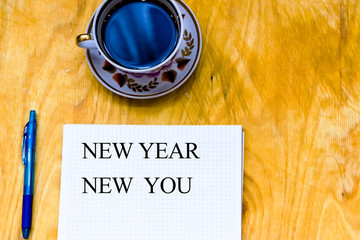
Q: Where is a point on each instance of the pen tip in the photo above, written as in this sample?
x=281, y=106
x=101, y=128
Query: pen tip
x=32, y=115
x=26, y=232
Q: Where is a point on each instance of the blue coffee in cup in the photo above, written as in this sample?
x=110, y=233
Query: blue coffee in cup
x=139, y=34
x=136, y=36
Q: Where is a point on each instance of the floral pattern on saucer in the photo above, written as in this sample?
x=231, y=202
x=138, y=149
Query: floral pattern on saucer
x=144, y=86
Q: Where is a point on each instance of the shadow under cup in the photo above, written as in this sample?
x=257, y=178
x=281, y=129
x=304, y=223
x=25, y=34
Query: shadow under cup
x=138, y=34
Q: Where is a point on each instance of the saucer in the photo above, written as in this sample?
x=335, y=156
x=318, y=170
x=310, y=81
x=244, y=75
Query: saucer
x=145, y=86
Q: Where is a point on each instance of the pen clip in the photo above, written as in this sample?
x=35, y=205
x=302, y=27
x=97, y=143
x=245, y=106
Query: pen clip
x=25, y=136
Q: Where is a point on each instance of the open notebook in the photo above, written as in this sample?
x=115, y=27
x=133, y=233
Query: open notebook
x=151, y=182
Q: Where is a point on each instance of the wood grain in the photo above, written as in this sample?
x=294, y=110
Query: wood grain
x=288, y=71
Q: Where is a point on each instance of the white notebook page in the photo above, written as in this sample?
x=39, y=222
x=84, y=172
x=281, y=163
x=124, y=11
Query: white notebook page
x=206, y=160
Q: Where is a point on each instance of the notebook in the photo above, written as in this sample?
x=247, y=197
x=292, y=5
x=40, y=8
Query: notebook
x=151, y=182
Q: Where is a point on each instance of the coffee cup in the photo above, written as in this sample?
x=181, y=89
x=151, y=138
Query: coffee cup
x=136, y=36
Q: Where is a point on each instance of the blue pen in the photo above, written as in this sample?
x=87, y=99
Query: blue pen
x=28, y=159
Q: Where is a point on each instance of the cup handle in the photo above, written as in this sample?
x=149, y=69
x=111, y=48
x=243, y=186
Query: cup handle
x=85, y=41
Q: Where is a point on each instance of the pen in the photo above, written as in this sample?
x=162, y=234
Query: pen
x=28, y=159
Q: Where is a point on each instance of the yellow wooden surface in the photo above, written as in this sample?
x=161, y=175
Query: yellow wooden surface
x=288, y=71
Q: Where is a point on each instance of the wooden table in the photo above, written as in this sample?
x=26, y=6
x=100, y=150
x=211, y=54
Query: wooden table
x=288, y=71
